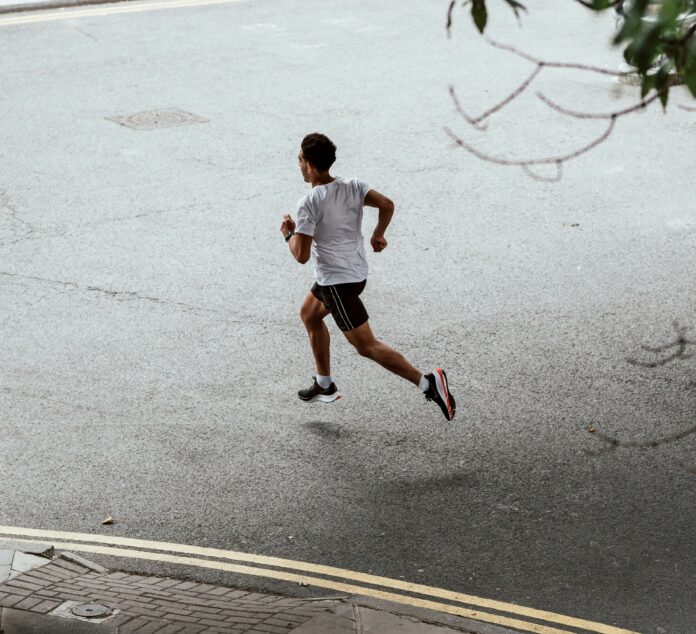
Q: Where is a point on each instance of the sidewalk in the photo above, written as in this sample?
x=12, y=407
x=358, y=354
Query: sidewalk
x=43, y=591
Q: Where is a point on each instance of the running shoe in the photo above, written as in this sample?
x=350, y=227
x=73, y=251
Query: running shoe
x=438, y=391
x=318, y=393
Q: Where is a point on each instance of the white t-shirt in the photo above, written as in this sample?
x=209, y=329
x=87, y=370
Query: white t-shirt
x=332, y=214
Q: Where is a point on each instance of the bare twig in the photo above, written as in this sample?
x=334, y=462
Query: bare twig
x=590, y=5
x=545, y=179
x=534, y=60
x=475, y=121
x=680, y=344
x=588, y=115
x=657, y=442
x=448, y=26
x=528, y=162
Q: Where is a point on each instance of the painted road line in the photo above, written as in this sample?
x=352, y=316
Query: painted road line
x=318, y=569
x=111, y=9
x=313, y=581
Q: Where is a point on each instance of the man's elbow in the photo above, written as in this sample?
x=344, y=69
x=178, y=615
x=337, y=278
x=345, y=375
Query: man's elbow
x=302, y=258
x=388, y=206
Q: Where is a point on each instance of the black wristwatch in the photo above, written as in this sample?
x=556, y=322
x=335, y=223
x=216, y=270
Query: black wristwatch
x=289, y=235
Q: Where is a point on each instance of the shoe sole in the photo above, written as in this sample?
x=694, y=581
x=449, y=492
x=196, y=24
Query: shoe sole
x=322, y=398
x=443, y=390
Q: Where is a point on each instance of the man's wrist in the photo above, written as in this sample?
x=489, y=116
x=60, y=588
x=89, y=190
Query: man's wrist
x=289, y=235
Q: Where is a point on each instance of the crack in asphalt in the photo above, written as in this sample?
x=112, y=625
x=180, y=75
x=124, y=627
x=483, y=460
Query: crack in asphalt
x=13, y=214
x=119, y=295
x=49, y=399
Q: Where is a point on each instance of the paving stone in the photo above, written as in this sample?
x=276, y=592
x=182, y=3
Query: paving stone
x=27, y=585
x=210, y=615
x=219, y=591
x=186, y=585
x=167, y=582
x=12, y=589
x=5, y=570
x=8, y=600
x=173, y=607
x=272, y=629
x=45, y=606
x=27, y=603
x=180, y=617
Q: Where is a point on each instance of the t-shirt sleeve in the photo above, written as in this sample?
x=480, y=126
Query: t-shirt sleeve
x=306, y=218
x=361, y=188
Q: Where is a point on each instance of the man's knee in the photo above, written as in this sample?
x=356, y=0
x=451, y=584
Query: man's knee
x=309, y=317
x=365, y=348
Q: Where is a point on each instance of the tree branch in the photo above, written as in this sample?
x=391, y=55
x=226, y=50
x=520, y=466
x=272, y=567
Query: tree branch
x=528, y=162
x=534, y=60
x=475, y=121
x=588, y=115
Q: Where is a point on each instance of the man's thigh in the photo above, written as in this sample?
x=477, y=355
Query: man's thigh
x=313, y=309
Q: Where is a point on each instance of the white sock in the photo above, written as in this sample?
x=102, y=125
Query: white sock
x=324, y=381
x=424, y=384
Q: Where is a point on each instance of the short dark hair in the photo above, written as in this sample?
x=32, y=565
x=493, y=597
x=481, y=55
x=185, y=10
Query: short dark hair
x=319, y=150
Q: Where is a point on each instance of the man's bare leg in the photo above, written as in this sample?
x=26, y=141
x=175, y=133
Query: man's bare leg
x=312, y=314
x=368, y=346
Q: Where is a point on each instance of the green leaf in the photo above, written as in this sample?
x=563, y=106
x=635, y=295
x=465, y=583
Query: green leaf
x=688, y=71
x=670, y=10
x=600, y=5
x=480, y=14
x=647, y=85
x=644, y=48
x=664, y=95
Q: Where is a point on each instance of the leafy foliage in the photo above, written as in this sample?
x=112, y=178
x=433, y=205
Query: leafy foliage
x=659, y=38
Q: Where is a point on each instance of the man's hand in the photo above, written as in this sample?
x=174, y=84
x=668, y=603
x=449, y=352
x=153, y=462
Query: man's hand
x=379, y=243
x=288, y=224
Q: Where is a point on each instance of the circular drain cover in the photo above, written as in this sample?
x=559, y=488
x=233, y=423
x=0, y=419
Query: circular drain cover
x=91, y=610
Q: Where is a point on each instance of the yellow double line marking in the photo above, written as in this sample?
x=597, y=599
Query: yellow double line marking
x=104, y=9
x=87, y=543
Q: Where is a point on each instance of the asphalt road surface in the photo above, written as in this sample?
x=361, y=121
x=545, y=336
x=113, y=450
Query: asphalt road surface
x=151, y=345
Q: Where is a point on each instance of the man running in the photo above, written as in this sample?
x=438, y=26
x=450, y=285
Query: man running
x=328, y=227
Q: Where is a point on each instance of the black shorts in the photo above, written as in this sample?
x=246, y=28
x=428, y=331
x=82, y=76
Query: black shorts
x=344, y=303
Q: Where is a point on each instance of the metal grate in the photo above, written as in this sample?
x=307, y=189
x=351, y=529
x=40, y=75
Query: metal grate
x=91, y=610
x=156, y=119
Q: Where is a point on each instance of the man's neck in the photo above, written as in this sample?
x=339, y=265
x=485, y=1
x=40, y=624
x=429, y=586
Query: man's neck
x=322, y=179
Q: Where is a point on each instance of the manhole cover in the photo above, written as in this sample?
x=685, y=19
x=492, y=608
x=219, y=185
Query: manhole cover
x=91, y=610
x=156, y=119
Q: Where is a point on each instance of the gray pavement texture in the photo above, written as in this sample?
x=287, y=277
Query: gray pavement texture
x=149, y=308
x=39, y=601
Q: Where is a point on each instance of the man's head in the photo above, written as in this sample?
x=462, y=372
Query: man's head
x=317, y=155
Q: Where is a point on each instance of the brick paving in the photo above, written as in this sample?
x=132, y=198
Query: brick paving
x=161, y=605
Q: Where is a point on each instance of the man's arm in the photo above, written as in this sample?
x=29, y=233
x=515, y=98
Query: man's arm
x=300, y=243
x=386, y=210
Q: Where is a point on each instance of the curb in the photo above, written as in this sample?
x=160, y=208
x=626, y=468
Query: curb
x=42, y=5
